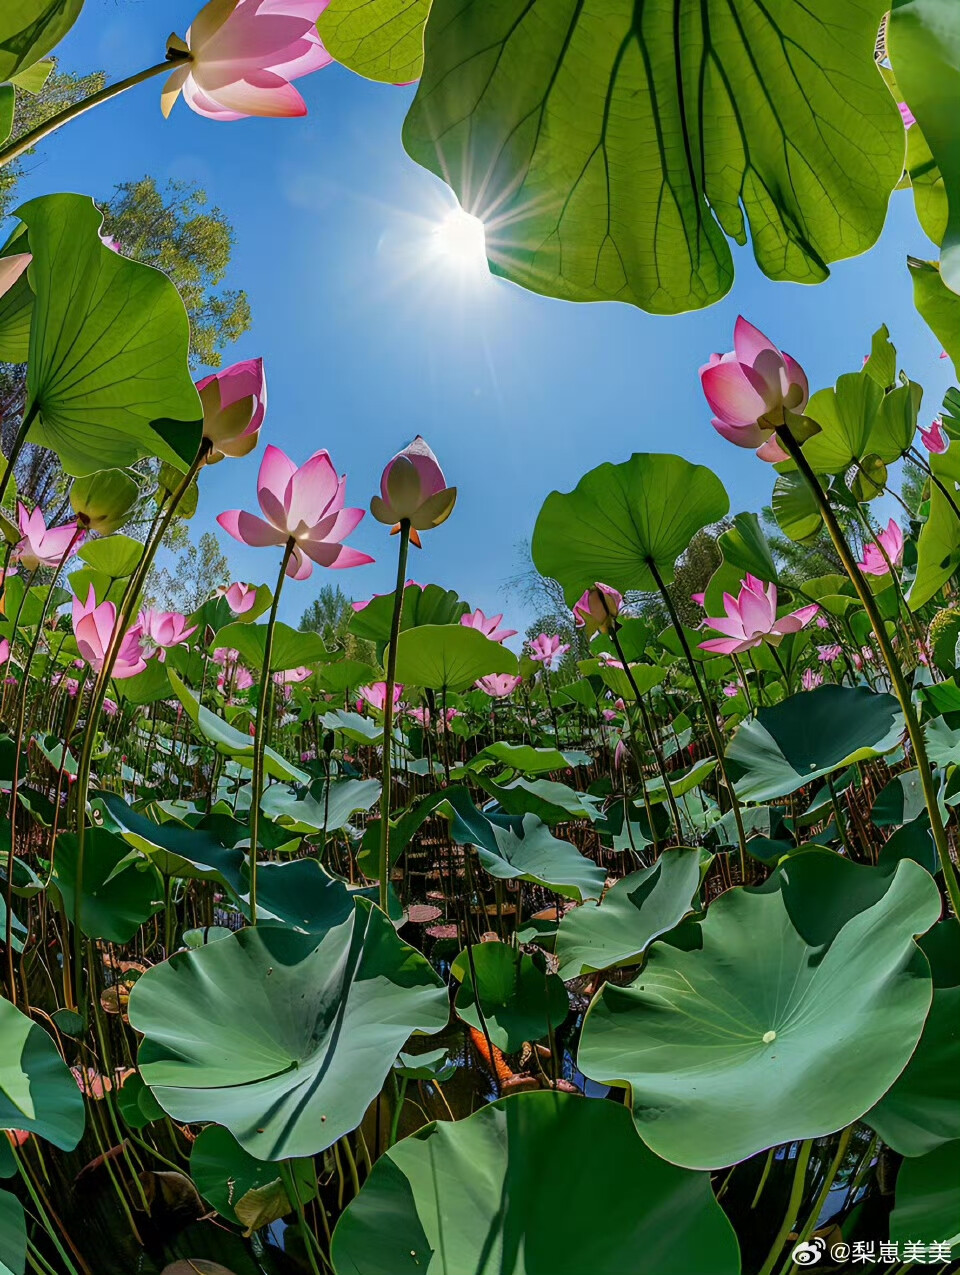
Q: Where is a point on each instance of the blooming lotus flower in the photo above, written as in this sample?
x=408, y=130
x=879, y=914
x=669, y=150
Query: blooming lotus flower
x=874, y=562
x=240, y=597
x=4, y=650
x=731, y=690
x=822, y=622
x=934, y=439
x=163, y=630
x=243, y=57
x=93, y=628
x=234, y=405
x=546, y=648
x=304, y=505
x=597, y=609
x=421, y=715
x=827, y=654
x=751, y=619
x=225, y=655
x=291, y=675
x=811, y=680
x=41, y=546
x=751, y=388
x=498, y=685
x=413, y=489
x=487, y=624
x=376, y=696
x=110, y=707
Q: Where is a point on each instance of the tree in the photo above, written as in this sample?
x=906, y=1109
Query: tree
x=200, y=568
x=329, y=614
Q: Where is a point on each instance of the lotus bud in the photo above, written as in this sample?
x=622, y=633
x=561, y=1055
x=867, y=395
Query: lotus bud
x=414, y=490
x=234, y=405
x=597, y=610
x=103, y=502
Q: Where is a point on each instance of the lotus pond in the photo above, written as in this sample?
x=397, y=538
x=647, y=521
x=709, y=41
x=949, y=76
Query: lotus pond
x=421, y=946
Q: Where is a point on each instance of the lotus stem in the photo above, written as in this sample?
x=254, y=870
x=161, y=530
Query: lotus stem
x=388, y=717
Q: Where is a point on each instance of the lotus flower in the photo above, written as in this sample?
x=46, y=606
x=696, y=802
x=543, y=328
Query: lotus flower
x=827, y=654
x=731, y=690
x=811, y=680
x=546, y=648
x=877, y=563
x=376, y=696
x=4, y=650
x=698, y=598
x=302, y=505
x=413, y=489
x=498, y=685
x=163, y=630
x=421, y=715
x=291, y=675
x=93, y=628
x=751, y=388
x=822, y=622
x=240, y=597
x=42, y=546
x=11, y=268
x=244, y=56
x=597, y=609
x=751, y=619
x=487, y=624
x=234, y=405
x=934, y=439
x=906, y=115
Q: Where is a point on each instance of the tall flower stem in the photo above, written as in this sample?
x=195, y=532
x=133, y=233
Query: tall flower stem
x=901, y=689
x=710, y=713
x=260, y=738
x=36, y=135
x=388, y=716
x=15, y=450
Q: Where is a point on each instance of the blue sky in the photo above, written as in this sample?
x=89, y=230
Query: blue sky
x=369, y=338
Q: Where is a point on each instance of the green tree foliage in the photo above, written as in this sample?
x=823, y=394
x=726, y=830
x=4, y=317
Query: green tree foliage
x=199, y=569
x=329, y=614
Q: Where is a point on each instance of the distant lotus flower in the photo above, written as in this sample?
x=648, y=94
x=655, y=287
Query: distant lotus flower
x=827, y=654
x=362, y=606
x=498, y=685
x=874, y=562
x=608, y=714
x=376, y=696
x=619, y=753
x=413, y=489
x=811, y=680
x=4, y=650
x=291, y=675
x=224, y=655
x=41, y=546
x=487, y=624
x=243, y=58
x=240, y=597
x=421, y=715
x=934, y=439
x=546, y=648
x=751, y=619
x=597, y=608
x=93, y=628
x=11, y=268
x=304, y=505
x=234, y=405
x=822, y=622
x=750, y=388
x=906, y=115
x=110, y=707
x=163, y=630
x=731, y=690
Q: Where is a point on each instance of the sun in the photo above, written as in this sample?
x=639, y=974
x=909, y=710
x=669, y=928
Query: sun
x=458, y=241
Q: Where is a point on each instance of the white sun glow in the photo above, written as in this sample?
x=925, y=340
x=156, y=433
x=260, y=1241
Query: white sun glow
x=458, y=242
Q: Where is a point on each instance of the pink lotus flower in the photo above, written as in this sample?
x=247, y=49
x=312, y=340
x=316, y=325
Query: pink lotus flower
x=877, y=563
x=413, y=489
x=934, y=439
x=110, y=707
x=243, y=59
x=597, y=608
x=234, y=405
x=163, y=630
x=361, y=606
x=731, y=690
x=822, y=622
x=827, y=654
x=240, y=598
x=4, y=650
x=751, y=388
x=421, y=715
x=225, y=655
x=376, y=696
x=751, y=619
x=487, y=624
x=498, y=685
x=546, y=648
x=811, y=680
x=698, y=598
x=42, y=546
x=302, y=505
x=93, y=628
x=11, y=268
x=619, y=753
x=291, y=675
x=609, y=714
x=906, y=115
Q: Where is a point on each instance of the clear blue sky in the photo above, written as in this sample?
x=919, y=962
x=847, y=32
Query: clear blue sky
x=368, y=340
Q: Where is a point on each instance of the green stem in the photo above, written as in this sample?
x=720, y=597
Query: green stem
x=810, y=1225
x=388, y=716
x=260, y=738
x=869, y=604
x=36, y=135
x=793, y=1206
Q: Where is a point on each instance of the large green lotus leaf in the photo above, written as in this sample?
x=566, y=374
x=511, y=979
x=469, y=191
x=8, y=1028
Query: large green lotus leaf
x=13, y=1235
x=529, y=760
x=761, y=1037
x=224, y=1173
x=300, y=894
x=483, y=1195
x=923, y=41
x=382, y=39
x=928, y=1197
x=938, y=546
x=745, y=546
x=681, y=781
x=230, y=741
x=119, y=892
x=449, y=657
x=620, y=517
x=422, y=604
x=116, y=556
x=291, y=648
x=108, y=372
x=325, y=808
x=938, y=306
x=640, y=908
x=548, y=799
x=858, y=420
x=795, y=507
x=16, y=308
x=37, y=1091
x=283, y=1039
x=809, y=735
x=614, y=676
x=29, y=29
x=611, y=148
x=347, y=675
x=175, y=849
x=518, y=999
x=514, y=847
